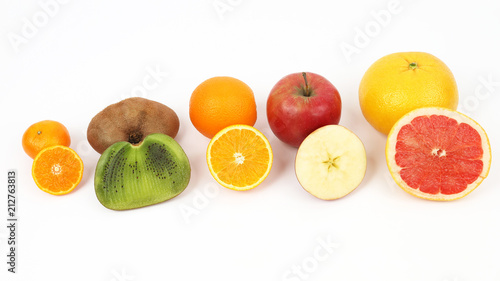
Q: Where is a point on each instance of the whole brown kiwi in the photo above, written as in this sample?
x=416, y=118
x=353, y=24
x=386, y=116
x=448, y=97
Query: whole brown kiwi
x=131, y=120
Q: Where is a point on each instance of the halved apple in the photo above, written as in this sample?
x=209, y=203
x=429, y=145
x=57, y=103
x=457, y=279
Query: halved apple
x=330, y=162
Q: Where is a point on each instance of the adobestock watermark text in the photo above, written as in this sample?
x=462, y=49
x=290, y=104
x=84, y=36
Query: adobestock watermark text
x=121, y=275
x=324, y=249
x=485, y=88
x=223, y=7
x=363, y=36
x=153, y=78
x=48, y=9
x=199, y=201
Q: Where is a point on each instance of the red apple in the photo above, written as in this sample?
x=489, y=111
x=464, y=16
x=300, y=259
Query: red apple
x=299, y=104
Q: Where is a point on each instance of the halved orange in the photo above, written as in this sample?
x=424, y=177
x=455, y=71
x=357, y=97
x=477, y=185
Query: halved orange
x=239, y=157
x=57, y=169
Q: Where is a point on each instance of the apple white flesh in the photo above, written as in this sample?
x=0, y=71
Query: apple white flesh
x=330, y=162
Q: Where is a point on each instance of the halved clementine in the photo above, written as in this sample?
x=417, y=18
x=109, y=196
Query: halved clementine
x=57, y=169
x=239, y=157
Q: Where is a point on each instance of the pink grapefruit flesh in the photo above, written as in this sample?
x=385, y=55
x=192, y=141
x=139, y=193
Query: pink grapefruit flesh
x=438, y=154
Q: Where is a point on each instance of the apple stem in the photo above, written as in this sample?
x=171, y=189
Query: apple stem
x=307, y=91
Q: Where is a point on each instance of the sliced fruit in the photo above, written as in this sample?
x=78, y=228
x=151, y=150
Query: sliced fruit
x=57, y=169
x=330, y=162
x=44, y=134
x=239, y=157
x=438, y=154
x=132, y=176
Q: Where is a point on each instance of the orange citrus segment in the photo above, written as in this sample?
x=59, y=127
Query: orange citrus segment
x=57, y=170
x=239, y=157
x=438, y=154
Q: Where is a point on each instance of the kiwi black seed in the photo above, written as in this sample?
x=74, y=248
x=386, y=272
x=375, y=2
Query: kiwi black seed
x=131, y=120
x=132, y=176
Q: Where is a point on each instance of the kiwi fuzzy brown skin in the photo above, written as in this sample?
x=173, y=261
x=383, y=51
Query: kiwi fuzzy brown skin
x=131, y=120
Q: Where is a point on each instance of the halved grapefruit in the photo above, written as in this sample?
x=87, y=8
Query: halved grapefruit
x=438, y=154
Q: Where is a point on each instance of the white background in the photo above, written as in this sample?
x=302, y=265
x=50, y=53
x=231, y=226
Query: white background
x=89, y=54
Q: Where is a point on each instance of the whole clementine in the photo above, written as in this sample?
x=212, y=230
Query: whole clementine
x=220, y=102
x=44, y=134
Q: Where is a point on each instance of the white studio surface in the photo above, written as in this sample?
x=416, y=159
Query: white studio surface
x=67, y=60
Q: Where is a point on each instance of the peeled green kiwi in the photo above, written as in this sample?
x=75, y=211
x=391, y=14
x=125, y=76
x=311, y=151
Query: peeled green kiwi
x=131, y=176
x=131, y=120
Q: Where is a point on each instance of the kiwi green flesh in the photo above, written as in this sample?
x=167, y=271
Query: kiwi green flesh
x=132, y=176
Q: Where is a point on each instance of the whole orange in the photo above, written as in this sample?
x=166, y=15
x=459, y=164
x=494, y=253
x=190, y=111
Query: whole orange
x=44, y=134
x=401, y=82
x=220, y=102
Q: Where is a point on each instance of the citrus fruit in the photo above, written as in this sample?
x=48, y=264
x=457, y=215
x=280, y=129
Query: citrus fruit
x=398, y=83
x=220, y=102
x=438, y=154
x=239, y=157
x=57, y=169
x=44, y=134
